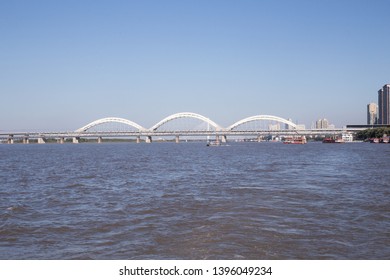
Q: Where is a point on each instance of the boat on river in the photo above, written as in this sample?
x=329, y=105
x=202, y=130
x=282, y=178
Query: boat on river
x=295, y=140
x=213, y=143
x=374, y=140
x=385, y=139
x=333, y=140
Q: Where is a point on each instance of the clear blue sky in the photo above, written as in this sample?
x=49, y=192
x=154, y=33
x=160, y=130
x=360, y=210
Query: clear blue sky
x=66, y=63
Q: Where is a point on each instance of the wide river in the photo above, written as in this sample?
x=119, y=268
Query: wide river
x=189, y=201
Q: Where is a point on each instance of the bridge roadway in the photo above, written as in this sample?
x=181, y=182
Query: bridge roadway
x=155, y=131
x=60, y=137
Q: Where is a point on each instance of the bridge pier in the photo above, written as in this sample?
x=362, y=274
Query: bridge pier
x=41, y=140
x=26, y=140
x=138, y=140
x=76, y=140
x=224, y=139
x=177, y=140
x=10, y=139
x=100, y=140
x=61, y=140
x=148, y=139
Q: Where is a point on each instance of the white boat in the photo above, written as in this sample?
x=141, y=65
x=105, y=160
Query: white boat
x=295, y=140
x=213, y=143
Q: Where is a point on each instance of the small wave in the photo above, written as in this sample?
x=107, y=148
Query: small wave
x=248, y=188
x=75, y=185
x=16, y=208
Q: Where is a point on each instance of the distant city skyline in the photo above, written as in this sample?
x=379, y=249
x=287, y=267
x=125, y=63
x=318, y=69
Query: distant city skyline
x=64, y=64
x=379, y=113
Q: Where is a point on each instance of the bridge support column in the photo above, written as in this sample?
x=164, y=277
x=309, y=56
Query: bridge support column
x=26, y=140
x=41, y=140
x=259, y=138
x=177, y=140
x=138, y=139
x=224, y=139
x=100, y=140
x=76, y=140
x=217, y=139
x=61, y=140
x=148, y=139
x=10, y=139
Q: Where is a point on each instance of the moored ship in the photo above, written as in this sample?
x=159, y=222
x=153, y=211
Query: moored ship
x=295, y=140
x=374, y=140
x=385, y=139
x=328, y=140
x=333, y=140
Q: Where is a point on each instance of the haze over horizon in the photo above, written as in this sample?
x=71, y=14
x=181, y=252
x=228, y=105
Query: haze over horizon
x=65, y=64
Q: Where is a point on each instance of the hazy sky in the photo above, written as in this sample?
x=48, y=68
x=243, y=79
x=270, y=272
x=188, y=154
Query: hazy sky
x=66, y=63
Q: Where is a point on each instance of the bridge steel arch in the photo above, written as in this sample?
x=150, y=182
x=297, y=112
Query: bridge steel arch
x=110, y=120
x=186, y=115
x=261, y=118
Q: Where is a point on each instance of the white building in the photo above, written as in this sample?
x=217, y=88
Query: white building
x=372, y=113
x=322, y=124
x=274, y=126
x=347, y=137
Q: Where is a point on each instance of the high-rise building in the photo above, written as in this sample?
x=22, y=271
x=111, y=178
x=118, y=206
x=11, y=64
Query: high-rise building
x=384, y=105
x=372, y=113
x=322, y=123
x=288, y=126
x=274, y=126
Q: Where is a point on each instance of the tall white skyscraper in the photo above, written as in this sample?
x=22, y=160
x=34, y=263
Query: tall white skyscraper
x=372, y=113
x=322, y=123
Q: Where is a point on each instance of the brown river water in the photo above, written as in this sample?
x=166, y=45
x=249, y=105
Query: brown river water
x=189, y=201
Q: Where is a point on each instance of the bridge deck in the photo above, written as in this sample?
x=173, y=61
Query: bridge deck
x=57, y=135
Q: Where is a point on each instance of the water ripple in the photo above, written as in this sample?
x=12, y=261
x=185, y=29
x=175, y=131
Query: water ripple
x=189, y=201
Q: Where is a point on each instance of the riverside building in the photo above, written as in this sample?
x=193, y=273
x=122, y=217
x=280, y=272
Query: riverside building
x=384, y=105
x=372, y=113
x=322, y=124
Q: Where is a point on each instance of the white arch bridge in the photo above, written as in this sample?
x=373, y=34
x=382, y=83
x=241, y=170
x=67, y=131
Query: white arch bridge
x=207, y=127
